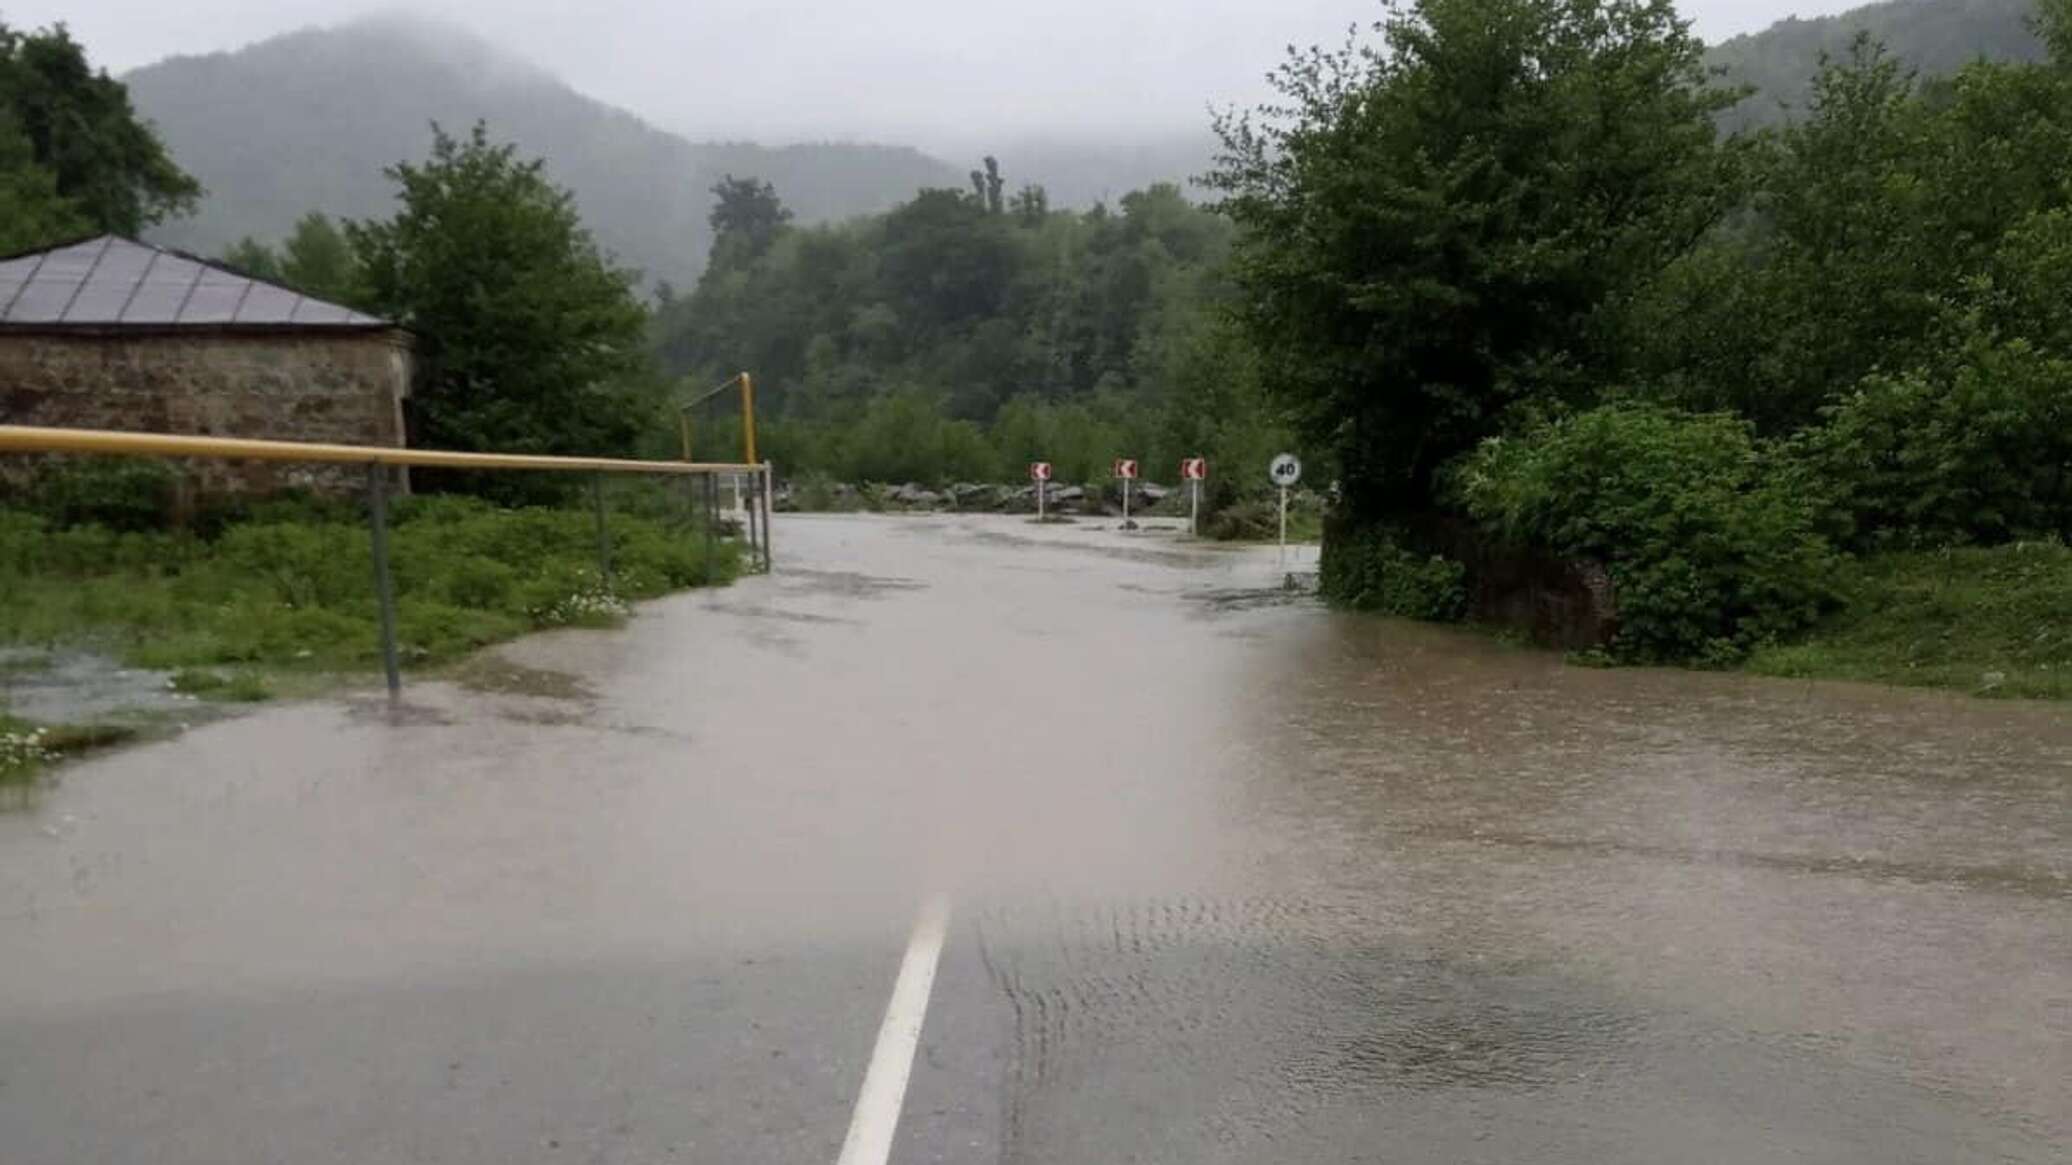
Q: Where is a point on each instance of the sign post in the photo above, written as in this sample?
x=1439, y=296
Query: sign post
x=1194, y=470
x=1039, y=472
x=1126, y=469
x=1285, y=471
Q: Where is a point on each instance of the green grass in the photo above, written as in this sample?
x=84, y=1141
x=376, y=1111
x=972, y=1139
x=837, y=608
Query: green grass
x=241, y=687
x=26, y=748
x=1992, y=622
x=293, y=593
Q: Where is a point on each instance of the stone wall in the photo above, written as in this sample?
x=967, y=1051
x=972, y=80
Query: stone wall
x=337, y=386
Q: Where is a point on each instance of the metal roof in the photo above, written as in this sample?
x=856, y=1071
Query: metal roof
x=116, y=282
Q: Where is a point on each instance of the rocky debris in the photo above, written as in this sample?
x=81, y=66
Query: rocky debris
x=915, y=496
x=972, y=496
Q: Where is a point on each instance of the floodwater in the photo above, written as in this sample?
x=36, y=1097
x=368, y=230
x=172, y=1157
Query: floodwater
x=1235, y=879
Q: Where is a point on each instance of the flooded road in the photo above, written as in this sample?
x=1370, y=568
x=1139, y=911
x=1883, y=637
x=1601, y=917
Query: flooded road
x=1233, y=879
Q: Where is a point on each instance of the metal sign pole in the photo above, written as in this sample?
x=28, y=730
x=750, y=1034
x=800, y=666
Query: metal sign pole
x=1284, y=527
x=1125, y=503
x=1042, y=495
x=1194, y=511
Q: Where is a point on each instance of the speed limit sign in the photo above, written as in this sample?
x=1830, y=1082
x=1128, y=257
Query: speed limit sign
x=1285, y=471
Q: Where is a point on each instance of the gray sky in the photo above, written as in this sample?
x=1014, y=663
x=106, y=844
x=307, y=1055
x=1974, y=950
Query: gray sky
x=930, y=72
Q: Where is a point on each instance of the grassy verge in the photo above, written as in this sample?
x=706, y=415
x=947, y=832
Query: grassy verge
x=294, y=594
x=26, y=748
x=1994, y=622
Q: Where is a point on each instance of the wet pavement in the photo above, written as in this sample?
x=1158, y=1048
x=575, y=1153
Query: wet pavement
x=1235, y=879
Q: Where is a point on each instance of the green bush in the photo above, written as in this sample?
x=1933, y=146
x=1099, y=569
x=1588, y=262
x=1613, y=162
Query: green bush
x=1374, y=569
x=117, y=492
x=1711, y=550
x=1978, y=452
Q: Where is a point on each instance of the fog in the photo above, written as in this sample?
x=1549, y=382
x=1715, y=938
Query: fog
x=937, y=73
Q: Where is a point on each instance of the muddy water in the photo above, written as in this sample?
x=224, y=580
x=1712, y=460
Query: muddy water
x=1237, y=879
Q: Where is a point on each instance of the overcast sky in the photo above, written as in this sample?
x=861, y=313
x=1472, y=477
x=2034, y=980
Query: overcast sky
x=929, y=72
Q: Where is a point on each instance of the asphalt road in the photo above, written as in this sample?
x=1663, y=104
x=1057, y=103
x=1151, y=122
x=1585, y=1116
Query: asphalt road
x=1232, y=879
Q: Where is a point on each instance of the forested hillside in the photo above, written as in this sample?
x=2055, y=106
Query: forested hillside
x=1935, y=37
x=972, y=329
x=308, y=121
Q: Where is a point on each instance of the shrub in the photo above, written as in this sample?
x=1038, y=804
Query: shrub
x=1711, y=549
x=1374, y=569
x=117, y=492
x=1978, y=452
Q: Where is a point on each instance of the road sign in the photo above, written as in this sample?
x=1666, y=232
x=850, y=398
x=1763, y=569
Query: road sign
x=1194, y=471
x=1126, y=469
x=1285, y=471
x=1039, y=471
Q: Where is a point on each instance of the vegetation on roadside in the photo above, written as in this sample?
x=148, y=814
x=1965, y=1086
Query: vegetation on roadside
x=293, y=590
x=1993, y=621
x=1768, y=384
x=27, y=748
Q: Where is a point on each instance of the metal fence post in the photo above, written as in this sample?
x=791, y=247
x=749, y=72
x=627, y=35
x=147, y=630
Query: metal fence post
x=384, y=586
x=769, y=513
x=711, y=523
x=604, y=534
x=755, y=533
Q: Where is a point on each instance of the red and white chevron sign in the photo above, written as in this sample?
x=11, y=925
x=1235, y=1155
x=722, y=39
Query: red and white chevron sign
x=1194, y=469
x=1126, y=469
x=1039, y=471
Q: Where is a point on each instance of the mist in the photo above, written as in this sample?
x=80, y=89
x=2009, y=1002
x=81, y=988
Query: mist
x=951, y=77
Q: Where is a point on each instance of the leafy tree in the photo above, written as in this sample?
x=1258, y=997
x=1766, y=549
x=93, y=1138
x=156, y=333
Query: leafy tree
x=1441, y=231
x=746, y=218
x=102, y=161
x=254, y=258
x=527, y=331
x=32, y=212
x=317, y=260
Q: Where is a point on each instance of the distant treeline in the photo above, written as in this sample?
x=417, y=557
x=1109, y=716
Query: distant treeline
x=970, y=331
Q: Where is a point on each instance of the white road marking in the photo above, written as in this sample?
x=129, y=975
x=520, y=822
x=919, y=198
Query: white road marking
x=885, y=1082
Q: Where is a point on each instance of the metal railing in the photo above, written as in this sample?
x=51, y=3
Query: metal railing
x=379, y=458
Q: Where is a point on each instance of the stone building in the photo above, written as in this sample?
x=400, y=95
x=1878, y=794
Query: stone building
x=111, y=333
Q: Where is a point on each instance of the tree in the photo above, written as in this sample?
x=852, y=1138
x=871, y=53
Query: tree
x=746, y=218
x=527, y=331
x=104, y=163
x=254, y=258
x=32, y=212
x=1438, y=232
x=316, y=260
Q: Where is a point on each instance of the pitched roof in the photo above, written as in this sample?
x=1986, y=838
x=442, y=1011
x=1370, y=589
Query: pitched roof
x=116, y=282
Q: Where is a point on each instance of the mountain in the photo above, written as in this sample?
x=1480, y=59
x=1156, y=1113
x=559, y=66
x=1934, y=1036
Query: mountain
x=307, y=121
x=1936, y=37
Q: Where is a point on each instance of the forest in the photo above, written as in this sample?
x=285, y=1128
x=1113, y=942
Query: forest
x=968, y=332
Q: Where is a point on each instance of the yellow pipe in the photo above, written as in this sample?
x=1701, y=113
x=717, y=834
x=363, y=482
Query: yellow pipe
x=748, y=419
x=32, y=439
